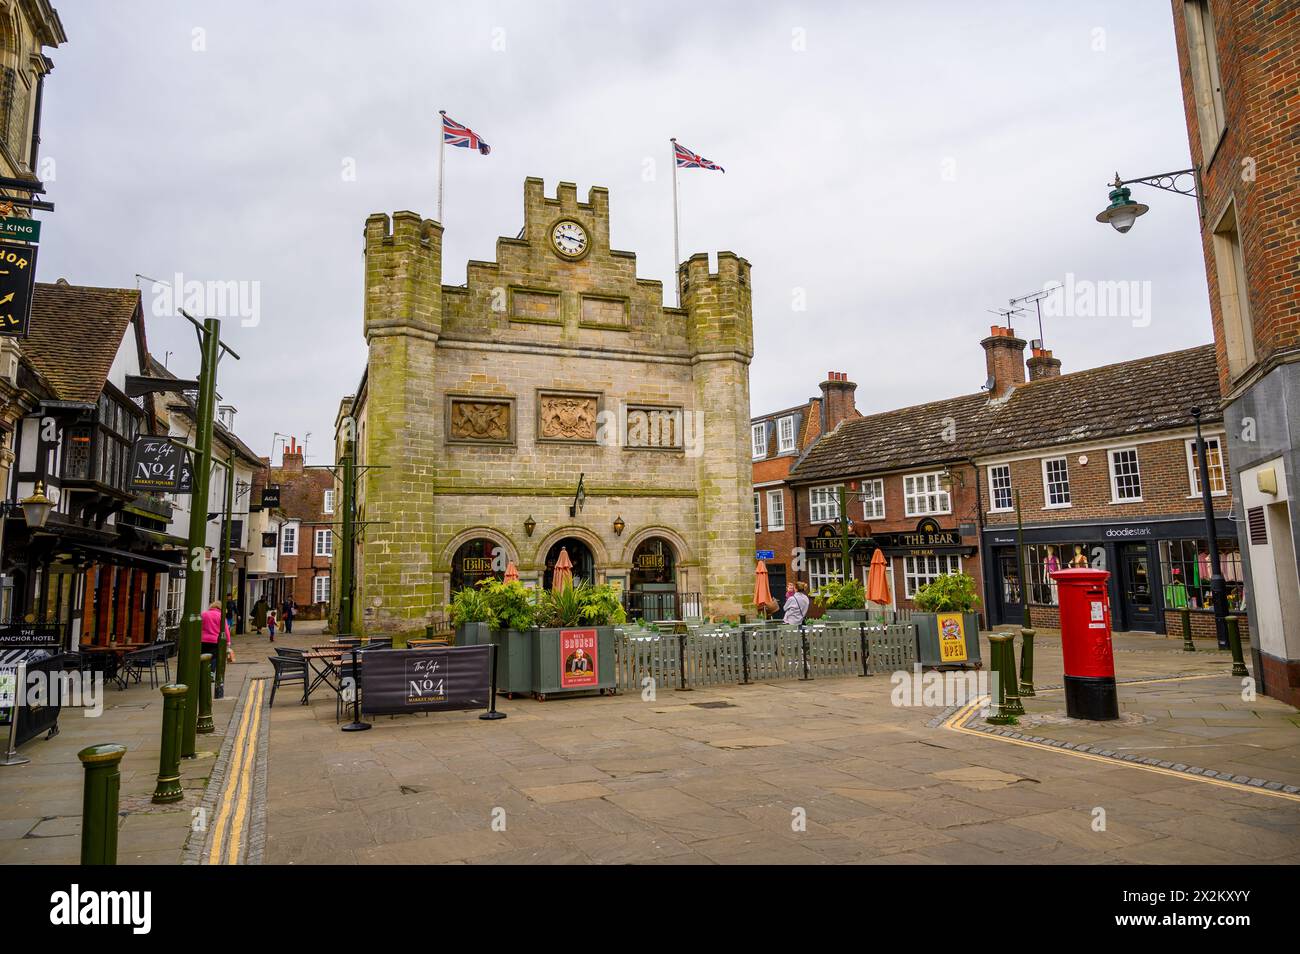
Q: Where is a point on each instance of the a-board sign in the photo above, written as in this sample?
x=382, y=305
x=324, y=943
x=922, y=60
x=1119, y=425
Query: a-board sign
x=425, y=680
x=158, y=464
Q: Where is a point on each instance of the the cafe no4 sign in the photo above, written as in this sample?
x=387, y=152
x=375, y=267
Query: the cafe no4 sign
x=159, y=465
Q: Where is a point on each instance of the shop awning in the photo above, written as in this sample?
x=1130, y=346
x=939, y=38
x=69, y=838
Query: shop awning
x=129, y=558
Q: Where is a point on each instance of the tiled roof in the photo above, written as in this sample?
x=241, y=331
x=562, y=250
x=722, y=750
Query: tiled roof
x=1112, y=401
x=75, y=333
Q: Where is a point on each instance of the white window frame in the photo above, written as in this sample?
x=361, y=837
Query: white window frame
x=776, y=515
x=782, y=445
x=289, y=539
x=758, y=514
x=1111, y=453
x=911, y=497
x=1194, y=472
x=943, y=563
x=873, y=505
x=327, y=505
x=324, y=543
x=993, y=492
x=758, y=439
x=318, y=584
x=1048, y=503
x=824, y=503
x=823, y=569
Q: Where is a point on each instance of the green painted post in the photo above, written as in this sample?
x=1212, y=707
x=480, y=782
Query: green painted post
x=169, y=788
x=1011, y=704
x=219, y=665
x=1188, y=645
x=204, y=725
x=99, y=801
x=1026, y=661
x=347, y=546
x=844, y=535
x=1234, y=643
x=191, y=634
x=998, y=645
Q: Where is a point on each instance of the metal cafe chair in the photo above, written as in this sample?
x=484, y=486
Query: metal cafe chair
x=288, y=670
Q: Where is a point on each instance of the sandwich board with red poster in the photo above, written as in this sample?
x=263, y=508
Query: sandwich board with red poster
x=579, y=657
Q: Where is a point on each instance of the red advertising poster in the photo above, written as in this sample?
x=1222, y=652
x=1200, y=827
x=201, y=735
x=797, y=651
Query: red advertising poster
x=577, y=658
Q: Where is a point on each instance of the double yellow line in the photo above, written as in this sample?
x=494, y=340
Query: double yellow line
x=237, y=794
x=957, y=723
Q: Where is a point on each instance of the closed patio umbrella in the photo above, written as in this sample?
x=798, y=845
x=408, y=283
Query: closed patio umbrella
x=563, y=574
x=512, y=572
x=762, y=592
x=878, y=579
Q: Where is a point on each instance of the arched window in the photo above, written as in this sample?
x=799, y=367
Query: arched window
x=654, y=564
x=475, y=560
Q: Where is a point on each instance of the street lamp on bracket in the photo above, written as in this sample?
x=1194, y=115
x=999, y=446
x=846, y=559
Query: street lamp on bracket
x=1123, y=211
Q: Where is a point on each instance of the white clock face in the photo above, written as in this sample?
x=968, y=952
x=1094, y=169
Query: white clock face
x=569, y=238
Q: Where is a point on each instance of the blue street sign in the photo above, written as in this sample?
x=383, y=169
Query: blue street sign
x=765, y=555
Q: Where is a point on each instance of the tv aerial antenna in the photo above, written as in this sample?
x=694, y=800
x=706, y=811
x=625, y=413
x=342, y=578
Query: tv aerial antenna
x=1006, y=314
x=1037, y=298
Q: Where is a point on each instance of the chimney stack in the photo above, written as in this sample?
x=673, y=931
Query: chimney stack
x=1043, y=365
x=1004, y=355
x=837, y=400
x=291, y=462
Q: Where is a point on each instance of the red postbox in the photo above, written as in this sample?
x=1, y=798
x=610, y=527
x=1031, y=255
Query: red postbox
x=1085, y=644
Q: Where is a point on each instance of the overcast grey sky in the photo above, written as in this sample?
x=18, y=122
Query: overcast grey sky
x=894, y=169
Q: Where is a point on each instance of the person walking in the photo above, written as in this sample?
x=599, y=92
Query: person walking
x=270, y=623
x=214, y=625
x=289, y=612
x=797, y=603
x=259, y=614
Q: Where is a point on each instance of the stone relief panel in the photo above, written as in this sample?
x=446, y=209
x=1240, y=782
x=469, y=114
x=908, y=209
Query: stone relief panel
x=656, y=428
x=567, y=416
x=474, y=420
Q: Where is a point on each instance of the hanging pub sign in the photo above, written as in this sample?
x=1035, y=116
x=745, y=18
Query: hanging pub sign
x=268, y=541
x=271, y=495
x=160, y=465
x=394, y=681
x=828, y=540
x=24, y=230
x=17, y=275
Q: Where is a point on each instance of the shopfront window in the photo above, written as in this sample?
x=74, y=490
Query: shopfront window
x=1041, y=561
x=654, y=564
x=823, y=570
x=474, y=561
x=1185, y=572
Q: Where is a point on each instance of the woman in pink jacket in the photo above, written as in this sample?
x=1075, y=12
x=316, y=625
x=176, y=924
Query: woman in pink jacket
x=213, y=626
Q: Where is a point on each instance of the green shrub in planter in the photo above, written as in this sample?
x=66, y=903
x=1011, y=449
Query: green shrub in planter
x=952, y=593
x=471, y=613
x=574, y=607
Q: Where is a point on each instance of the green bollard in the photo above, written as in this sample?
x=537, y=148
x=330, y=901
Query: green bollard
x=1188, y=645
x=1026, y=661
x=1234, y=643
x=999, y=643
x=99, y=803
x=1011, y=704
x=205, y=725
x=168, y=788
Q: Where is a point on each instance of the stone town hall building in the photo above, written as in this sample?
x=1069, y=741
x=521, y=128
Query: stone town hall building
x=482, y=405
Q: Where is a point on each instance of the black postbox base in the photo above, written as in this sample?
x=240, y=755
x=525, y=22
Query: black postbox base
x=1091, y=697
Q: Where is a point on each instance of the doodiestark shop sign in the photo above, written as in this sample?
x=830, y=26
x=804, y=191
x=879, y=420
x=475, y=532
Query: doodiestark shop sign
x=160, y=466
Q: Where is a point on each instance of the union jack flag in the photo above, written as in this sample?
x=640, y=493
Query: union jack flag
x=454, y=134
x=689, y=160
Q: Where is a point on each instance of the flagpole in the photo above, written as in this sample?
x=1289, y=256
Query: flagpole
x=442, y=150
x=677, y=255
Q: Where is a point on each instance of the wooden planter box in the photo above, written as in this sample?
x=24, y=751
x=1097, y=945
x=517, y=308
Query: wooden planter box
x=928, y=651
x=473, y=634
x=549, y=664
x=514, y=660
x=850, y=615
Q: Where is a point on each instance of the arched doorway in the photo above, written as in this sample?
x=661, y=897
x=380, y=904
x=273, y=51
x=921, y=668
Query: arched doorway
x=474, y=561
x=584, y=563
x=653, y=580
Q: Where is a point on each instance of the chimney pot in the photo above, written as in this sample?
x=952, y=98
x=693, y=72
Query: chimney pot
x=1004, y=356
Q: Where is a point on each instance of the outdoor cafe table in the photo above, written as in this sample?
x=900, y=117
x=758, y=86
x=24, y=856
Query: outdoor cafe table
x=329, y=666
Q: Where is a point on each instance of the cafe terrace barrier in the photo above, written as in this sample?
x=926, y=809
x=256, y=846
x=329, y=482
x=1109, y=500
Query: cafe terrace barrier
x=715, y=657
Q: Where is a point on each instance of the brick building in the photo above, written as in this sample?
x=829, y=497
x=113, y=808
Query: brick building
x=777, y=440
x=487, y=405
x=1240, y=69
x=306, y=532
x=1102, y=461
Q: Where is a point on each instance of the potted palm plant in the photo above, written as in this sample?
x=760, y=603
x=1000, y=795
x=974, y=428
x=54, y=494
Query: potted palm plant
x=845, y=600
x=947, y=628
x=573, y=650
x=471, y=614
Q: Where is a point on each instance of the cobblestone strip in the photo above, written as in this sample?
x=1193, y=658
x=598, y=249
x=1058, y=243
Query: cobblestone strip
x=196, y=846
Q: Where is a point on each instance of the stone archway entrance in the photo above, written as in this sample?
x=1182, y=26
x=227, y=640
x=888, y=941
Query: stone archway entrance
x=653, y=580
x=472, y=562
x=584, y=562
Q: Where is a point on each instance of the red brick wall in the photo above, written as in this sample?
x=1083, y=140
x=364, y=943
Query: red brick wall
x=1166, y=489
x=302, y=497
x=1259, y=68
